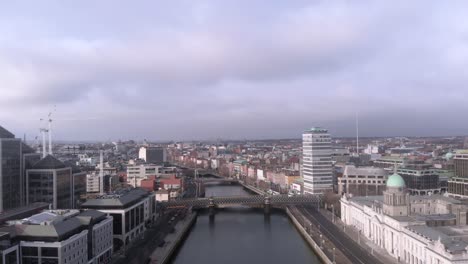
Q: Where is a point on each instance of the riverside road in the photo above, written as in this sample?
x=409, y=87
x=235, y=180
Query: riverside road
x=349, y=247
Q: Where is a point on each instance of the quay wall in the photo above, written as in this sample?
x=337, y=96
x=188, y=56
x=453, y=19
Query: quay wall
x=309, y=240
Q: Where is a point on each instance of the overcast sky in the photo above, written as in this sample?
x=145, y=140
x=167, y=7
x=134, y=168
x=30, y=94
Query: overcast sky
x=233, y=69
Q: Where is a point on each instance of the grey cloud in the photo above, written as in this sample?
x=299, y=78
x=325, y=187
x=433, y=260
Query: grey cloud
x=240, y=68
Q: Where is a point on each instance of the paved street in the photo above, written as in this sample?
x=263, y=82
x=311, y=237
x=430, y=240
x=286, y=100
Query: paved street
x=139, y=251
x=349, y=247
x=367, y=244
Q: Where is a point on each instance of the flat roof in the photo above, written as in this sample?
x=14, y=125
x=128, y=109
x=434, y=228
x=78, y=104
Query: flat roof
x=117, y=200
x=22, y=212
x=454, y=238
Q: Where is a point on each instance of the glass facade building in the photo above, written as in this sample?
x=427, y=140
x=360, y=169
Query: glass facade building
x=10, y=171
x=420, y=178
x=50, y=181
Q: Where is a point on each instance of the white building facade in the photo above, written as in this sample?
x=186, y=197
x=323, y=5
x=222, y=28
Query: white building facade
x=316, y=161
x=412, y=229
x=137, y=173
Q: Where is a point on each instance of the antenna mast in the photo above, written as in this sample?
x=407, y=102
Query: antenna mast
x=101, y=174
x=50, y=133
x=357, y=133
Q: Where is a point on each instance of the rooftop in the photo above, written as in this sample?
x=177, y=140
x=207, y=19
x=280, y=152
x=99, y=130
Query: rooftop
x=5, y=133
x=391, y=158
x=52, y=226
x=353, y=170
x=49, y=163
x=117, y=200
x=316, y=130
x=22, y=212
x=370, y=200
x=454, y=238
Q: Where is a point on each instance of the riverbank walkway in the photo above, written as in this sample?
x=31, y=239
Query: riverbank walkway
x=163, y=252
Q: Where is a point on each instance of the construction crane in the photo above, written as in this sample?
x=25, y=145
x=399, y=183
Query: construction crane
x=50, y=132
x=50, y=129
x=43, y=131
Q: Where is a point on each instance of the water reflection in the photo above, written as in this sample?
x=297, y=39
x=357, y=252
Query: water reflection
x=243, y=235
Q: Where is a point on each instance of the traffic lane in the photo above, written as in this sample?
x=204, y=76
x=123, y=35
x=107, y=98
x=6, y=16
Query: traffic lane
x=139, y=251
x=348, y=246
x=337, y=242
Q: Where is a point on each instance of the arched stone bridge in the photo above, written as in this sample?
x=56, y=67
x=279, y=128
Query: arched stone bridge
x=251, y=200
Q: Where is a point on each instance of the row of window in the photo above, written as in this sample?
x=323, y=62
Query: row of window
x=363, y=181
x=361, y=176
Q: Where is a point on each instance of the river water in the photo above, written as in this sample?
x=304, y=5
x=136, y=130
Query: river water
x=243, y=235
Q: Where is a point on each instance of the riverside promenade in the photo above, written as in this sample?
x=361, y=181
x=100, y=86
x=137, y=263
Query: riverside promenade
x=163, y=253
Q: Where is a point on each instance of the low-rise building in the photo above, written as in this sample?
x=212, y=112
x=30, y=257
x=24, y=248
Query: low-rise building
x=61, y=236
x=162, y=195
x=131, y=209
x=137, y=173
x=170, y=183
x=362, y=181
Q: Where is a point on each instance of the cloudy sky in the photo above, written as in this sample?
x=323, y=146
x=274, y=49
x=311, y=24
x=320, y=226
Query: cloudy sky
x=233, y=68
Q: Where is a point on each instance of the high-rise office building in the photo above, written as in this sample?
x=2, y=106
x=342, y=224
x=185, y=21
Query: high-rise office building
x=316, y=161
x=15, y=158
x=10, y=170
x=155, y=155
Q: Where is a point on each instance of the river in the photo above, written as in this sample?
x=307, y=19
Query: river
x=243, y=235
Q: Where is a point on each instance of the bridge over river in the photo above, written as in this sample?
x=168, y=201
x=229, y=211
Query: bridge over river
x=250, y=200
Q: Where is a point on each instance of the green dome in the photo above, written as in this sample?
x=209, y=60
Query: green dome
x=395, y=180
x=449, y=155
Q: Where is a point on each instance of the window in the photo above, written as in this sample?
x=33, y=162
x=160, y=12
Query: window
x=27, y=260
x=49, y=261
x=49, y=252
x=29, y=251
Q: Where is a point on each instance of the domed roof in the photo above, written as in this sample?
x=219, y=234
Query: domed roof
x=449, y=156
x=395, y=180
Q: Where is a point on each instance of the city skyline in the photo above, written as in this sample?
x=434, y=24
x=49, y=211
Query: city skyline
x=234, y=70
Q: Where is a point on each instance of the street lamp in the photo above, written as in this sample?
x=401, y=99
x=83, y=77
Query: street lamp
x=333, y=213
x=321, y=241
